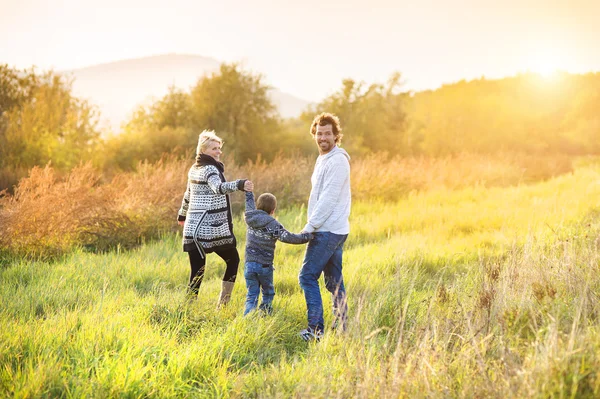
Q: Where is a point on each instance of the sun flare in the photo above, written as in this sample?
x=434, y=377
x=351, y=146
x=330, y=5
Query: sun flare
x=545, y=64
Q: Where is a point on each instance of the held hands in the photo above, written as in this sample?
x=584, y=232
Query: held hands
x=248, y=186
x=310, y=235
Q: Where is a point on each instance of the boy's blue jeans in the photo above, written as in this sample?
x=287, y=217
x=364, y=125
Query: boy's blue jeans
x=259, y=277
x=324, y=255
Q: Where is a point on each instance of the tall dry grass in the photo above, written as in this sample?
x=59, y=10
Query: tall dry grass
x=49, y=215
x=10, y=176
x=388, y=179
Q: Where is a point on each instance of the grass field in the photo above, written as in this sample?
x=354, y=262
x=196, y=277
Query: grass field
x=471, y=292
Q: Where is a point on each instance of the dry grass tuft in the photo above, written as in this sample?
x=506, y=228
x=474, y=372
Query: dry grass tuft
x=48, y=215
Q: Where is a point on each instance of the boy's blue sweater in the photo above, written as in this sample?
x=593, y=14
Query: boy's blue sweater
x=263, y=232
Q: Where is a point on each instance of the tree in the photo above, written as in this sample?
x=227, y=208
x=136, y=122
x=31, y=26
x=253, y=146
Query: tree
x=231, y=101
x=236, y=105
x=373, y=117
x=154, y=130
x=525, y=113
x=16, y=87
x=41, y=121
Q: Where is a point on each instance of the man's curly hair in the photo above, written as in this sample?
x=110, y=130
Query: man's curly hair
x=325, y=119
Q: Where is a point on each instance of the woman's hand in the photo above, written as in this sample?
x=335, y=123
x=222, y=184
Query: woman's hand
x=248, y=186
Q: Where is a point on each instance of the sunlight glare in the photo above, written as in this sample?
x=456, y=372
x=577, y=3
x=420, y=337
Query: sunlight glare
x=546, y=64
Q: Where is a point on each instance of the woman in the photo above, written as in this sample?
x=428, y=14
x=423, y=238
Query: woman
x=206, y=215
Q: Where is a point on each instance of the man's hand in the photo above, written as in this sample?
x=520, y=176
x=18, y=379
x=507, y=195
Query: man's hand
x=181, y=222
x=248, y=186
x=311, y=235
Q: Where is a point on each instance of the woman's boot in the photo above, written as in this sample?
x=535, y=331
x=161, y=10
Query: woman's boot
x=225, y=296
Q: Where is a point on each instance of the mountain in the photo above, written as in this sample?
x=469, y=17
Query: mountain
x=117, y=88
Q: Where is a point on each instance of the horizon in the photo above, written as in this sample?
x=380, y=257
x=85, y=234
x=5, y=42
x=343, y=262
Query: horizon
x=430, y=44
x=549, y=75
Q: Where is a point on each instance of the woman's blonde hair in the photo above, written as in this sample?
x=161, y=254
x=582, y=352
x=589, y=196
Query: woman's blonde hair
x=204, y=140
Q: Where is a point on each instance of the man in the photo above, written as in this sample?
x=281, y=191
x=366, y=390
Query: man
x=328, y=212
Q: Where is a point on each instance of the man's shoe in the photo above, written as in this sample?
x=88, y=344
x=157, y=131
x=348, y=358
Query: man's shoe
x=309, y=334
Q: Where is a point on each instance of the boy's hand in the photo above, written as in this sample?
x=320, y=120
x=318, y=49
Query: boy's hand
x=248, y=186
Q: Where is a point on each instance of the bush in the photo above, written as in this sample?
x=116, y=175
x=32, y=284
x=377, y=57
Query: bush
x=49, y=215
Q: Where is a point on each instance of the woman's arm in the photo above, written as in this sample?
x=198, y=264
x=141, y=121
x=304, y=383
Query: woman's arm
x=185, y=203
x=217, y=185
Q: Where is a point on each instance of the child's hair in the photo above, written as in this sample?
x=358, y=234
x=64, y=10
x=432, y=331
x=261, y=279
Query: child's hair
x=266, y=202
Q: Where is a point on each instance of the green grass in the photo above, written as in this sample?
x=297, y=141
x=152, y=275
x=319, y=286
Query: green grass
x=480, y=292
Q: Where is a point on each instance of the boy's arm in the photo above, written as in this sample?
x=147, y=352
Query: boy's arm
x=283, y=235
x=250, y=205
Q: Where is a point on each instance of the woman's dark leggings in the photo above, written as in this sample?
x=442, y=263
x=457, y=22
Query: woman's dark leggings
x=197, y=263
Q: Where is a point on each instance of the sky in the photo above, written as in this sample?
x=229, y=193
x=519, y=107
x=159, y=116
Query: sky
x=307, y=47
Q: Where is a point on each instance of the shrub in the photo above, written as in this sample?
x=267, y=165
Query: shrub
x=48, y=215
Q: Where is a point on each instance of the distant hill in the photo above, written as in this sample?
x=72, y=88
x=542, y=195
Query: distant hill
x=117, y=88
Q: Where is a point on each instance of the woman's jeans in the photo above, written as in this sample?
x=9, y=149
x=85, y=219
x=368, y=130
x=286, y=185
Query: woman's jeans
x=259, y=277
x=324, y=255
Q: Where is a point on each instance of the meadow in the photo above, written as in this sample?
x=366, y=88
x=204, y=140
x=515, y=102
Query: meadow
x=466, y=278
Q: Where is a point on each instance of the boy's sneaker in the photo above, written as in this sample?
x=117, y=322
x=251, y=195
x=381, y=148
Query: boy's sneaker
x=309, y=334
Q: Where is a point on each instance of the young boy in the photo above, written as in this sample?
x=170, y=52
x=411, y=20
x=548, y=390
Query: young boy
x=263, y=231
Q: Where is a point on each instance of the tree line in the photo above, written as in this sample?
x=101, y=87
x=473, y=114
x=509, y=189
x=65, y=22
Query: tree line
x=42, y=121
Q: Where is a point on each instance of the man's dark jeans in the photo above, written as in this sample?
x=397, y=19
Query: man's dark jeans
x=324, y=255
